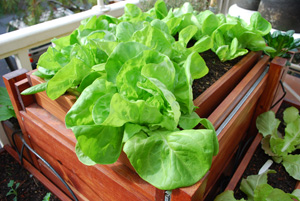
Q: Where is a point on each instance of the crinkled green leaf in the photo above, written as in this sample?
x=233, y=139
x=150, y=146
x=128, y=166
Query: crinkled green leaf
x=81, y=111
x=160, y=9
x=169, y=160
x=249, y=185
x=267, y=124
x=265, y=192
x=292, y=165
x=189, y=121
x=122, y=53
x=186, y=34
x=102, y=144
x=63, y=80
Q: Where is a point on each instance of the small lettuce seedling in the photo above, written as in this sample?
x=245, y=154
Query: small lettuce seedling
x=256, y=188
x=279, y=146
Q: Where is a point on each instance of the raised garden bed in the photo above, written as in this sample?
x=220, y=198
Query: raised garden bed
x=255, y=158
x=32, y=184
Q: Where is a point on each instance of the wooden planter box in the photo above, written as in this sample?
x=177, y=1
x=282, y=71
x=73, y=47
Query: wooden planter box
x=37, y=174
x=42, y=121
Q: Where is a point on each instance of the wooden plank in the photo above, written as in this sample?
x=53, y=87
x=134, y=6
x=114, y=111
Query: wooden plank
x=232, y=134
x=215, y=94
x=78, y=186
x=9, y=80
x=267, y=98
x=244, y=163
x=116, y=177
x=224, y=109
x=49, y=185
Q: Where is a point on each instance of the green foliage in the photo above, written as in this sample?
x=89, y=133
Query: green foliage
x=134, y=79
x=13, y=190
x=280, y=146
x=47, y=197
x=6, y=108
x=282, y=42
x=257, y=189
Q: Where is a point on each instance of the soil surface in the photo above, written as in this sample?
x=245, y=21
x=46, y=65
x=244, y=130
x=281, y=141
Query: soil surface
x=216, y=70
x=281, y=179
x=29, y=189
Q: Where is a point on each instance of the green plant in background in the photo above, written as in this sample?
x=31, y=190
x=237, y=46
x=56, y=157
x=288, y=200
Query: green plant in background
x=13, y=190
x=256, y=188
x=282, y=42
x=280, y=146
x=47, y=197
x=6, y=108
x=198, y=5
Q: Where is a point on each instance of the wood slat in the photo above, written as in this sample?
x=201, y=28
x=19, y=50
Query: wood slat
x=24, y=100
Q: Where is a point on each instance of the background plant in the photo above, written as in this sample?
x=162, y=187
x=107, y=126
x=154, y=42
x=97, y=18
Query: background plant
x=13, y=190
x=6, y=108
x=280, y=146
x=256, y=188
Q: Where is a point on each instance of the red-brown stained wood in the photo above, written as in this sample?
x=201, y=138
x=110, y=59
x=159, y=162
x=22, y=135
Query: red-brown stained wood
x=78, y=186
x=267, y=98
x=56, y=191
x=24, y=100
x=233, y=133
x=294, y=83
x=214, y=95
x=106, y=179
x=244, y=163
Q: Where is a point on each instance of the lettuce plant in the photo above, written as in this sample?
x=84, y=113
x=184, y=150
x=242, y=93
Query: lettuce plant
x=256, y=188
x=134, y=87
x=279, y=146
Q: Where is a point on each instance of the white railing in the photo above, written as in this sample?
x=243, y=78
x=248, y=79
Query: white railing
x=19, y=42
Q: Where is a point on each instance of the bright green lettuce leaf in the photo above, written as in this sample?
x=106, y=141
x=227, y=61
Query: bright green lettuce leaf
x=133, y=13
x=292, y=165
x=102, y=144
x=186, y=34
x=63, y=80
x=267, y=124
x=202, y=45
x=265, y=192
x=122, y=53
x=209, y=22
x=161, y=9
x=260, y=25
x=189, y=121
x=153, y=38
x=186, y=8
x=249, y=185
x=82, y=157
x=292, y=135
x=124, y=31
x=81, y=111
x=89, y=79
x=34, y=89
x=169, y=159
x=131, y=129
x=290, y=114
x=227, y=196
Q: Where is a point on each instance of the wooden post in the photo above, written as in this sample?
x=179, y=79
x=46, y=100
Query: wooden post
x=267, y=98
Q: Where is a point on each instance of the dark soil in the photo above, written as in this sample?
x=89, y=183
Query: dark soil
x=216, y=70
x=29, y=189
x=281, y=179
